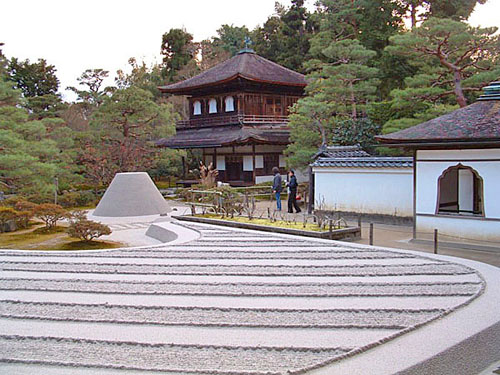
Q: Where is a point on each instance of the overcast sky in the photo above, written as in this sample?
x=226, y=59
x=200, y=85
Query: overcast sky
x=78, y=35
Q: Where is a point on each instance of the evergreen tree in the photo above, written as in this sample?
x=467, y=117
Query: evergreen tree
x=337, y=91
x=38, y=84
x=177, y=49
x=231, y=38
x=452, y=58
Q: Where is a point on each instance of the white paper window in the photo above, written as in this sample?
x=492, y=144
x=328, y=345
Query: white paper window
x=197, y=108
x=229, y=103
x=259, y=161
x=212, y=106
x=282, y=162
x=247, y=163
x=221, y=162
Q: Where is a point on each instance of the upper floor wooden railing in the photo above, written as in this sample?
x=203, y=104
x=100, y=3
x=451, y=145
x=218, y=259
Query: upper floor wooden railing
x=204, y=122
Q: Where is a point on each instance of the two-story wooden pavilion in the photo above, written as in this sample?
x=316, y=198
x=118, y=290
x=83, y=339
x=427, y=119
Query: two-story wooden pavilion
x=238, y=116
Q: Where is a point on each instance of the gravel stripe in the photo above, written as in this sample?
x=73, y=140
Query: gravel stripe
x=250, y=270
x=245, y=289
x=221, y=317
x=165, y=254
x=161, y=357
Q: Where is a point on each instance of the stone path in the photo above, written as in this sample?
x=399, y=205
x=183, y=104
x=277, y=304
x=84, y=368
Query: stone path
x=231, y=302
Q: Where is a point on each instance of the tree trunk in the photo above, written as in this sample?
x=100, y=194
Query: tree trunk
x=459, y=93
x=457, y=79
x=323, y=132
x=353, y=102
x=413, y=15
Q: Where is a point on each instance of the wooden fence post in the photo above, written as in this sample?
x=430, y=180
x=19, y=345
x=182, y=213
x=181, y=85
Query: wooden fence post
x=371, y=233
x=435, y=241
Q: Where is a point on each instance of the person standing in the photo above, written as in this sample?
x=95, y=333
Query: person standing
x=292, y=193
x=277, y=188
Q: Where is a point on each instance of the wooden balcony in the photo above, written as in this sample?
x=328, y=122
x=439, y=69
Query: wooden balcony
x=210, y=121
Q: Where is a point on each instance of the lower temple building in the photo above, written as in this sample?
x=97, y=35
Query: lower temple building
x=238, y=116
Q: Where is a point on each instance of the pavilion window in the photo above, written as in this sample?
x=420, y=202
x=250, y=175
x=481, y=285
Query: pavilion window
x=270, y=161
x=460, y=191
x=229, y=104
x=212, y=106
x=197, y=108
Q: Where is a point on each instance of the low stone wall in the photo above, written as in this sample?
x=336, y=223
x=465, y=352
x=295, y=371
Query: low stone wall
x=345, y=234
x=375, y=218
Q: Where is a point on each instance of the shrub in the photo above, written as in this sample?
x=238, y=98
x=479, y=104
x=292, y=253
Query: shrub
x=6, y=214
x=50, y=214
x=86, y=198
x=68, y=199
x=26, y=211
x=85, y=229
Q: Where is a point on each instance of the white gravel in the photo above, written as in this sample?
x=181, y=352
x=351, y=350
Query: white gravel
x=228, y=302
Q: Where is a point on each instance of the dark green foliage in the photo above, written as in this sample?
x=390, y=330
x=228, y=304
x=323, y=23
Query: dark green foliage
x=354, y=131
x=284, y=37
x=38, y=84
x=33, y=79
x=231, y=38
x=177, y=49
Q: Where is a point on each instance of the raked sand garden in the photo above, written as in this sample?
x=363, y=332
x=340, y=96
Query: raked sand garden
x=229, y=301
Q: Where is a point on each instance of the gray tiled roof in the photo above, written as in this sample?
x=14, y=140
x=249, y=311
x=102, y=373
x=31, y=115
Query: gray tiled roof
x=356, y=157
x=246, y=65
x=224, y=135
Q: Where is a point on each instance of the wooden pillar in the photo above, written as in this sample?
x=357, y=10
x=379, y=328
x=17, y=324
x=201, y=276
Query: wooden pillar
x=253, y=162
x=414, y=194
x=183, y=167
x=310, y=203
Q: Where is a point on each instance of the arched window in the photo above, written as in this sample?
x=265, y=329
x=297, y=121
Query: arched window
x=197, y=108
x=460, y=191
x=212, y=106
x=229, y=103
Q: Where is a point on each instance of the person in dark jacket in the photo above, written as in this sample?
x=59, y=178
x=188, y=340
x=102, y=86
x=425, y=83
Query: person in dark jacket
x=292, y=193
x=277, y=188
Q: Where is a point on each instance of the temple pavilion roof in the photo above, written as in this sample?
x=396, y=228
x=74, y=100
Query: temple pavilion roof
x=246, y=65
x=475, y=124
x=224, y=136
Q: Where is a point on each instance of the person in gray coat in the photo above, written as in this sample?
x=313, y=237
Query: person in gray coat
x=277, y=188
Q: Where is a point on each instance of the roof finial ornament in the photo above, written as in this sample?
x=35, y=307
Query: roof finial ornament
x=248, y=43
x=491, y=92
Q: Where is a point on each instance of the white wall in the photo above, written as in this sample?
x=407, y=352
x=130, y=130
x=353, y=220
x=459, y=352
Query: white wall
x=260, y=179
x=386, y=191
x=431, y=164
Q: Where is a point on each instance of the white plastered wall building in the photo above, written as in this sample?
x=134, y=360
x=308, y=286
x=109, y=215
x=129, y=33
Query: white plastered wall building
x=457, y=192
x=347, y=179
x=457, y=170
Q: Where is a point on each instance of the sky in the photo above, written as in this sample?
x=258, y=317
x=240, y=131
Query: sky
x=76, y=35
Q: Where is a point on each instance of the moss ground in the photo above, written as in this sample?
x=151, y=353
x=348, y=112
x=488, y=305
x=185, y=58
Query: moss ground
x=298, y=224
x=36, y=237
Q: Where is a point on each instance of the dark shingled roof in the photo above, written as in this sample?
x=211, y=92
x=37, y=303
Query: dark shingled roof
x=224, y=135
x=340, y=152
x=247, y=65
x=475, y=123
x=356, y=157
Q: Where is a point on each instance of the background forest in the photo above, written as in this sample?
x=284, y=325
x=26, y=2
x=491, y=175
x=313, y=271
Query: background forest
x=374, y=66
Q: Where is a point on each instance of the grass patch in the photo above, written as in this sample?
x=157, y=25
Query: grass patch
x=268, y=223
x=85, y=245
x=43, y=230
x=39, y=238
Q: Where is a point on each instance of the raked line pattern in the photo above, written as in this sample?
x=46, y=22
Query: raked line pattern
x=231, y=302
